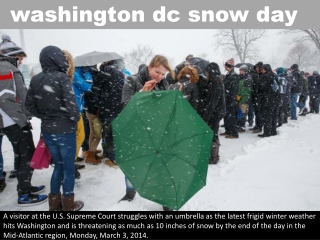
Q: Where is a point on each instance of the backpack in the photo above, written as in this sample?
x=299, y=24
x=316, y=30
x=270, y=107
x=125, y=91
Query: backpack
x=182, y=88
x=282, y=82
x=279, y=84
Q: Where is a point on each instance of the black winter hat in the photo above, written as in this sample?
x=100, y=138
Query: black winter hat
x=213, y=68
x=267, y=67
x=259, y=64
x=294, y=67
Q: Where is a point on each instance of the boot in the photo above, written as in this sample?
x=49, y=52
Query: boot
x=214, y=158
x=55, y=203
x=91, y=158
x=111, y=163
x=68, y=204
x=2, y=184
x=130, y=194
x=97, y=156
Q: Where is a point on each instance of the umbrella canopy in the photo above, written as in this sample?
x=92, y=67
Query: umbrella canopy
x=249, y=65
x=163, y=147
x=199, y=62
x=93, y=58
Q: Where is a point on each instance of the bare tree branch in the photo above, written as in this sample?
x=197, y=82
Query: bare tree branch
x=300, y=54
x=239, y=42
x=312, y=35
x=141, y=54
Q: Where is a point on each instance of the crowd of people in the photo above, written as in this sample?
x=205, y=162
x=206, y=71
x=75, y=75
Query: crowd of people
x=77, y=105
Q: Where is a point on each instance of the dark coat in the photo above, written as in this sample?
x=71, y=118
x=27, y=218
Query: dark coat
x=314, y=84
x=297, y=81
x=255, y=93
x=89, y=104
x=50, y=95
x=268, y=96
x=231, y=85
x=107, y=91
x=287, y=96
x=212, y=99
x=136, y=82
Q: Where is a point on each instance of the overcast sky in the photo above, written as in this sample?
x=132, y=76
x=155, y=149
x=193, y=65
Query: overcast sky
x=173, y=43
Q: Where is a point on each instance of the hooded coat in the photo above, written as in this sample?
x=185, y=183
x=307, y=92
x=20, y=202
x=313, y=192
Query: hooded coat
x=268, y=95
x=50, y=95
x=12, y=94
x=107, y=91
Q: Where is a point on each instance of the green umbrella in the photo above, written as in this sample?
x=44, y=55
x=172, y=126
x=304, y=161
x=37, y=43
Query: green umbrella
x=163, y=147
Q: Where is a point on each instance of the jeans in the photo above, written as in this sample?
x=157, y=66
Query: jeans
x=1, y=157
x=63, y=149
x=129, y=185
x=302, y=101
x=23, y=148
x=294, y=103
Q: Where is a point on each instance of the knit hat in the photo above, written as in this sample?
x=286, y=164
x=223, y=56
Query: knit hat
x=230, y=63
x=9, y=48
x=294, y=67
x=281, y=70
x=213, y=69
x=315, y=73
x=244, y=68
x=307, y=74
x=267, y=67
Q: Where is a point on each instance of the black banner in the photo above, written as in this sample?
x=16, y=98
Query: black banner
x=160, y=225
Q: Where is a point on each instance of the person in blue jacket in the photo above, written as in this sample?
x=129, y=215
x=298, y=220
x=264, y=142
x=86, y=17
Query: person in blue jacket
x=82, y=82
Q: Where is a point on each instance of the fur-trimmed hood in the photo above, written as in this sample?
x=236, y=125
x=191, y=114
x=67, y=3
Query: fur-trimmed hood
x=70, y=70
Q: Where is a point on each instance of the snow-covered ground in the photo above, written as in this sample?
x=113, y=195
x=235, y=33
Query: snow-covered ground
x=279, y=173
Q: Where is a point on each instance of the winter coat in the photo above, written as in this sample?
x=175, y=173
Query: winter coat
x=212, y=98
x=82, y=80
x=287, y=95
x=305, y=90
x=89, y=105
x=245, y=88
x=190, y=89
x=136, y=82
x=231, y=85
x=297, y=81
x=107, y=91
x=314, y=84
x=12, y=94
x=255, y=93
x=50, y=95
x=268, y=96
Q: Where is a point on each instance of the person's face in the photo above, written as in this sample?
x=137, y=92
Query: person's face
x=263, y=71
x=228, y=69
x=157, y=73
x=242, y=72
x=19, y=59
x=257, y=69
